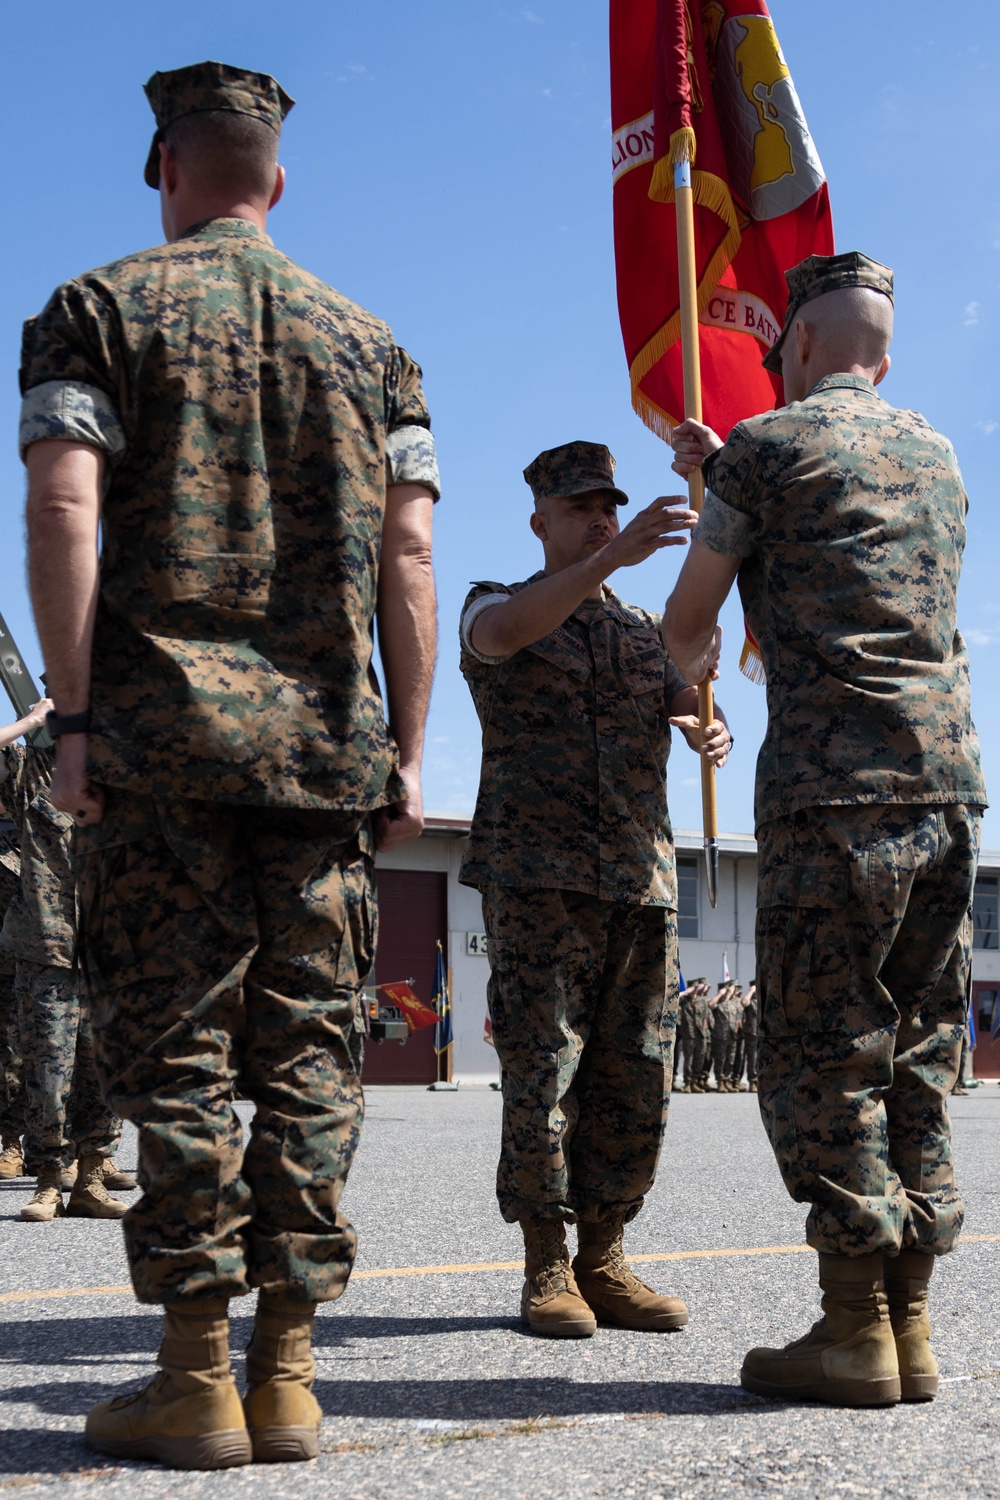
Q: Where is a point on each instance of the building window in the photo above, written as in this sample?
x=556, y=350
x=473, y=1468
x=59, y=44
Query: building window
x=984, y=913
x=688, y=885
x=986, y=1005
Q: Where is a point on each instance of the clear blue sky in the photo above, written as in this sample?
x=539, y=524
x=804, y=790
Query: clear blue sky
x=449, y=167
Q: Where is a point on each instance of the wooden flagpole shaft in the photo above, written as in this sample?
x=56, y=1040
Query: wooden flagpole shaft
x=691, y=356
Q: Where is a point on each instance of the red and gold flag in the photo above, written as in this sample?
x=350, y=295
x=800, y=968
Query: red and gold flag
x=416, y=1014
x=704, y=80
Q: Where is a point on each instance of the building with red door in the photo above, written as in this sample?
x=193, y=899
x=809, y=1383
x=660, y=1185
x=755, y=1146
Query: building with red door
x=422, y=903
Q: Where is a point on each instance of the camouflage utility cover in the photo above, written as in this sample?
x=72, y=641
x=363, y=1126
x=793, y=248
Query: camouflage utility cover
x=850, y=518
x=40, y=925
x=210, y=86
x=819, y=274
x=576, y=468
x=573, y=788
x=251, y=417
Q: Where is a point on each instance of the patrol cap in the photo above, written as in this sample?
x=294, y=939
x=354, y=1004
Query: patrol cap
x=574, y=469
x=826, y=273
x=210, y=85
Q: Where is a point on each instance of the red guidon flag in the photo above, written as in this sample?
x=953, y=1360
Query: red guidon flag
x=705, y=81
x=416, y=1014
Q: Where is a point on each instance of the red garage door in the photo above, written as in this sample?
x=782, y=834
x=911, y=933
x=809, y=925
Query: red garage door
x=412, y=917
x=986, y=1058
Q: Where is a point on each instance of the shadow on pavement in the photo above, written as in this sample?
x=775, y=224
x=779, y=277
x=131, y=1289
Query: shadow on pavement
x=40, y=1450
x=525, y=1399
x=72, y=1341
x=331, y=1332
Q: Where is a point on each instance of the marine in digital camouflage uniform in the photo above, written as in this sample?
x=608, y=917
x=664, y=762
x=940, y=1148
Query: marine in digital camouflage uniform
x=844, y=520
x=572, y=850
x=725, y=1027
x=65, y=1117
x=267, y=464
x=749, y=1028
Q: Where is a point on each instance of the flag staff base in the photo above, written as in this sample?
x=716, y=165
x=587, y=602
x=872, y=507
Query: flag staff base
x=433, y=1088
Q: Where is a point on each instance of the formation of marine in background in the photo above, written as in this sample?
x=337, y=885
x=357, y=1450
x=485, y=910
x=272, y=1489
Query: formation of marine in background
x=716, y=1043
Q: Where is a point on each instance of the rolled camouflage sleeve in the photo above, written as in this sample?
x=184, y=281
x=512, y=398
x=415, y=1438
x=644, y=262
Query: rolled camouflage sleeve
x=411, y=458
x=474, y=606
x=732, y=477
x=410, y=453
x=70, y=411
x=70, y=370
x=723, y=529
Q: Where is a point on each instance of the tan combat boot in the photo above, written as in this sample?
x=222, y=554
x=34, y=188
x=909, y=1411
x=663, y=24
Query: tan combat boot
x=907, y=1284
x=90, y=1199
x=11, y=1158
x=550, y=1301
x=848, y=1358
x=282, y=1413
x=117, y=1180
x=68, y=1176
x=190, y=1416
x=47, y=1201
x=611, y=1287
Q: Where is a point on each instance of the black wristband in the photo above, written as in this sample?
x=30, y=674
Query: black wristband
x=58, y=724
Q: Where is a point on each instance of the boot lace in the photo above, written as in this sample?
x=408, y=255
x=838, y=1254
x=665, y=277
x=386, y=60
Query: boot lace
x=554, y=1270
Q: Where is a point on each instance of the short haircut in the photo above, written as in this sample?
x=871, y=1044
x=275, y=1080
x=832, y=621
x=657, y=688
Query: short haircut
x=853, y=323
x=221, y=151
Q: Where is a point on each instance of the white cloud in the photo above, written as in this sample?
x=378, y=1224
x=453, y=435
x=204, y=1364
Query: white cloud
x=357, y=68
x=982, y=637
x=547, y=93
x=971, y=314
x=989, y=427
x=529, y=15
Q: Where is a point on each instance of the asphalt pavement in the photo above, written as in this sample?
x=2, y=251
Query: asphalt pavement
x=430, y=1387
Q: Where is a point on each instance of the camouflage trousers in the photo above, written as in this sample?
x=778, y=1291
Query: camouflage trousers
x=863, y=946
x=226, y=947
x=689, y=1049
x=724, y=1054
x=697, y=1054
x=64, y=1114
x=750, y=1052
x=583, y=1000
x=11, y=1065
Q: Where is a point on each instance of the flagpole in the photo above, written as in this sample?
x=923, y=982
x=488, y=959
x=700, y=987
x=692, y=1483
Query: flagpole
x=691, y=356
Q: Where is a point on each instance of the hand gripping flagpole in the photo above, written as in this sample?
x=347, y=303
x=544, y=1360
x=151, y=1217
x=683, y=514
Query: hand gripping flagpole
x=691, y=356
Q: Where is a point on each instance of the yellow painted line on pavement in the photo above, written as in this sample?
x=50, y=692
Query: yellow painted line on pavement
x=385, y=1272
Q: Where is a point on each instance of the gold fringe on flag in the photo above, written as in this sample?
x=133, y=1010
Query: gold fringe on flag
x=712, y=193
x=683, y=144
x=751, y=661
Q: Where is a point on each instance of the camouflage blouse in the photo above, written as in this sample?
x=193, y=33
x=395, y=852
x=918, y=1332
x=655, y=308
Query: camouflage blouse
x=251, y=417
x=850, y=518
x=573, y=788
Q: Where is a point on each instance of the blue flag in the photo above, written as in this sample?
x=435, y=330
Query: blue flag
x=441, y=1001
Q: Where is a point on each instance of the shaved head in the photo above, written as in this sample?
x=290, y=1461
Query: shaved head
x=852, y=326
